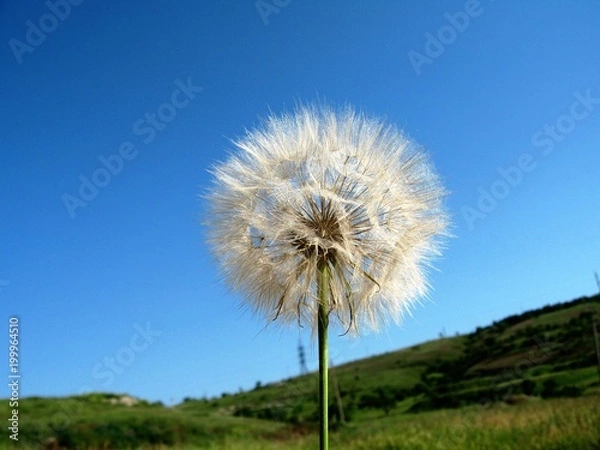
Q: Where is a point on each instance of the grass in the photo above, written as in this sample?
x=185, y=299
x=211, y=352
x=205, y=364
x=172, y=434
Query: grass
x=554, y=424
x=491, y=363
x=569, y=424
x=552, y=318
x=537, y=351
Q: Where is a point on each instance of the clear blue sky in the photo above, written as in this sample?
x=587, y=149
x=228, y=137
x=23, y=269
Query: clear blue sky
x=168, y=85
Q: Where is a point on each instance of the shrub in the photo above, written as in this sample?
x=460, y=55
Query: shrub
x=549, y=388
x=528, y=387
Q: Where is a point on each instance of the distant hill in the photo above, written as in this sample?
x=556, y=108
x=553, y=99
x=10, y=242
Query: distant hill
x=545, y=352
x=548, y=352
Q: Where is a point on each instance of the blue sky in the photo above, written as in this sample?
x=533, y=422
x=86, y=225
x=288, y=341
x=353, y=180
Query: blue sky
x=109, y=273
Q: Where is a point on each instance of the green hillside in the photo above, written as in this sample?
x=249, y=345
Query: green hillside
x=547, y=352
x=538, y=363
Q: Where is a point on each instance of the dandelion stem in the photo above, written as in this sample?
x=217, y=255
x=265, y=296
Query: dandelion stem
x=323, y=322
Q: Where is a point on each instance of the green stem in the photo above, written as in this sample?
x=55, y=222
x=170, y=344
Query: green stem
x=323, y=322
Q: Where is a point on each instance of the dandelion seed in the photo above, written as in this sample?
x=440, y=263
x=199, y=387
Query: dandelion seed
x=326, y=215
x=336, y=187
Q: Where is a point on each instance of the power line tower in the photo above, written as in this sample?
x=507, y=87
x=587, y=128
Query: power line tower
x=302, y=358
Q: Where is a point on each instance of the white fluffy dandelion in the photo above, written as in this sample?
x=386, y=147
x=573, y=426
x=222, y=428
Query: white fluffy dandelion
x=340, y=189
x=324, y=214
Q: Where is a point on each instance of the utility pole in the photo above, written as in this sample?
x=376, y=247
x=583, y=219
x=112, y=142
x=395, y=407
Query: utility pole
x=338, y=396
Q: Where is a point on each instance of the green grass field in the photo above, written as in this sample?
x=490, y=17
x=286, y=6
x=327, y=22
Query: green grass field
x=535, y=374
x=565, y=424
x=569, y=424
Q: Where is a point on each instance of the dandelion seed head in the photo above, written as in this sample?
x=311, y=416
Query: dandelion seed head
x=331, y=187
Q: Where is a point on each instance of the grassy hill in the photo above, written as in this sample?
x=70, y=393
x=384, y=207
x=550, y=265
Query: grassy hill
x=527, y=361
x=547, y=352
